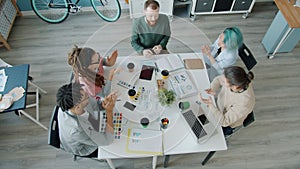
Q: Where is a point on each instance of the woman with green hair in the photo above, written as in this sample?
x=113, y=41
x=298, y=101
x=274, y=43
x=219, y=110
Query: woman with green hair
x=223, y=52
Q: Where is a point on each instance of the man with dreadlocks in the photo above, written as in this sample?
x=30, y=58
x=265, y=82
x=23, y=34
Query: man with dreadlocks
x=72, y=100
x=88, y=69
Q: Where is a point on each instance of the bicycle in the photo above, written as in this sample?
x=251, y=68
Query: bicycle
x=56, y=11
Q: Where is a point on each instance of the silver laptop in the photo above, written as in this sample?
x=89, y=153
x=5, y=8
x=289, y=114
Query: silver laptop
x=201, y=127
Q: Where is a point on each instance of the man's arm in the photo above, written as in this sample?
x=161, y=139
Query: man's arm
x=167, y=31
x=135, y=39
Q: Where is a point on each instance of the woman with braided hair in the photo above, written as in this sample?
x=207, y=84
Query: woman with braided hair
x=88, y=69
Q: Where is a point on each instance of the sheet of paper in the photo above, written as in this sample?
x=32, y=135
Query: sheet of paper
x=3, y=80
x=182, y=84
x=143, y=141
x=170, y=63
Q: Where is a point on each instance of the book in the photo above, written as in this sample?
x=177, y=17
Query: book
x=171, y=62
x=193, y=63
x=182, y=84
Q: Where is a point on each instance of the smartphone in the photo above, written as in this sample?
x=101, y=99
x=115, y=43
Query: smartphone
x=129, y=106
x=203, y=119
x=146, y=72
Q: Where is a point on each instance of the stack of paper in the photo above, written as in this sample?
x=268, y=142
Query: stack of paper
x=3, y=79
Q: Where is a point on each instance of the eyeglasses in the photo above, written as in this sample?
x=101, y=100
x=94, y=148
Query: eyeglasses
x=98, y=61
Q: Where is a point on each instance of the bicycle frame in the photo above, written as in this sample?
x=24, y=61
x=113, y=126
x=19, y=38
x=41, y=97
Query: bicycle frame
x=108, y=10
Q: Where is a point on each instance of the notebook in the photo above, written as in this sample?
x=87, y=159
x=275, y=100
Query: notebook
x=193, y=63
x=199, y=124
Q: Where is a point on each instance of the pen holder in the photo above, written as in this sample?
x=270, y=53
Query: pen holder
x=164, y=123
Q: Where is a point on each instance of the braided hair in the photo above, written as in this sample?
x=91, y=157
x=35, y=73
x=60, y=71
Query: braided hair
x=68, y=96
x=80, y=59
x=237, y=76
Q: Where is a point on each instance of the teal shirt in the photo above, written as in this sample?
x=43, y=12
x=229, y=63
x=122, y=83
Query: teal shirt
x=146, y=37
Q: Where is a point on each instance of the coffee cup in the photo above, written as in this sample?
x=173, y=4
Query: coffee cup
x=184, y=105
x=145, y=122
x=130, y=66
x=131, y=93
x=164, y=74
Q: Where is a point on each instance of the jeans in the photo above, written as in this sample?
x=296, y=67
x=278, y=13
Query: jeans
x=227, y=130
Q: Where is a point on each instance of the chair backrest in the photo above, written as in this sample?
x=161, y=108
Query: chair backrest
x=250, y=119
x=247, y=57
x=53, y=133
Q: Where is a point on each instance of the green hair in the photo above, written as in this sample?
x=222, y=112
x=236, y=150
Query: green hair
x=233, y=38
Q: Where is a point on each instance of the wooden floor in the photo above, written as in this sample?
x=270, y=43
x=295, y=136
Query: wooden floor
x=272, y=142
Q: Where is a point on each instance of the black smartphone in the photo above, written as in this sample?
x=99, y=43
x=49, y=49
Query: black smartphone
x=146, y=72
x=203, y=119
x=129, y=106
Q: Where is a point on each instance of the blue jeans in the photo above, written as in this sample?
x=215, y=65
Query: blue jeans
x=227, y=130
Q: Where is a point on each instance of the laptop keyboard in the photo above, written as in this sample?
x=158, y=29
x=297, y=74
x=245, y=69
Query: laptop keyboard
x=194, y=124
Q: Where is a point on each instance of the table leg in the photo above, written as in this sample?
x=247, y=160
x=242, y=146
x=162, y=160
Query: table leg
x=154, y=161
x=166, y=161
x=111, y=165
x=283, y=39
x=209, y=155
x=32, y=119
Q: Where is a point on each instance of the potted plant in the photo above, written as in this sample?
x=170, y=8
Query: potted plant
x=166, y=97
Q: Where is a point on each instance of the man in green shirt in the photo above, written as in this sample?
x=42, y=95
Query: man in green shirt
x=151, y=33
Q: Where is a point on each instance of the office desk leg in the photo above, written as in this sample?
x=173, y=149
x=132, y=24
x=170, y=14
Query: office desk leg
x=154, y=161
x=209, y=155
x=166, y=161
x=283, y=39
x=111, y=165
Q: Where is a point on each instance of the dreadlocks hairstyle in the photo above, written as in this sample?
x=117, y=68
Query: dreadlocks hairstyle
x=80, y=59
x=68, y=96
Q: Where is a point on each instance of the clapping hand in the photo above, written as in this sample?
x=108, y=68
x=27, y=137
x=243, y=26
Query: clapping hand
x=157, y=49
x=147, y=53
x=111, y=60
x=109, y=102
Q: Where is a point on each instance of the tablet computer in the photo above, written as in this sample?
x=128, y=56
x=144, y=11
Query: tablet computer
x=146, y=72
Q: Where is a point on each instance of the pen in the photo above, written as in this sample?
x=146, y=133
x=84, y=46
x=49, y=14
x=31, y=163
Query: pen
x=156, y=68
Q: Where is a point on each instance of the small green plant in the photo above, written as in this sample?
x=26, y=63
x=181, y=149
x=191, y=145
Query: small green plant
x=166, y=97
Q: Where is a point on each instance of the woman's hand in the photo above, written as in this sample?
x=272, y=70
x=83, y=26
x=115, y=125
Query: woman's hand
x=109, y=102
x=112, y=72
x=207, y=101
x=210, y=91
x=111, y=60
x=206, y=50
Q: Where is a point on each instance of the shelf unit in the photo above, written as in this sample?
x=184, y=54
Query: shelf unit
x=8, y=13
x=206, y=7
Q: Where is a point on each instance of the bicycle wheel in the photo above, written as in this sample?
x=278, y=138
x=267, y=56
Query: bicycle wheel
x=51, y=11
x=108, y=10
